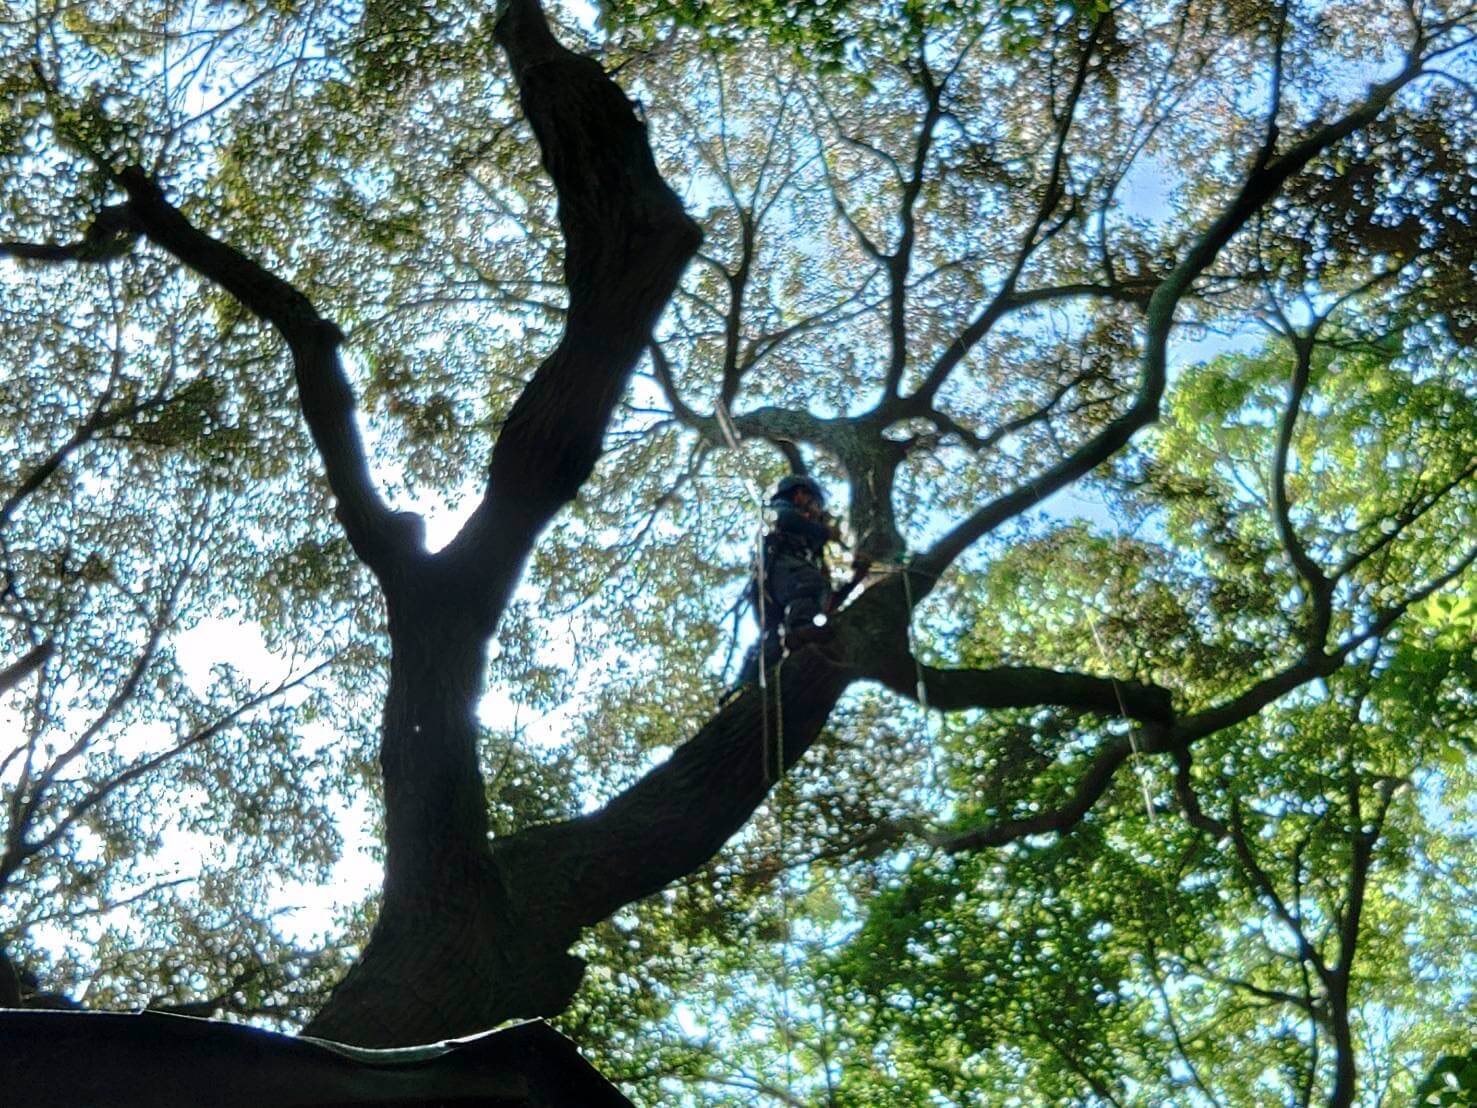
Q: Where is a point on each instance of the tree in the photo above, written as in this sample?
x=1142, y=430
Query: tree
x=932, y=207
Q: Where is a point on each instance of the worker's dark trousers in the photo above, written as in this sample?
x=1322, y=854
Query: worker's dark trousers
x=801, y=591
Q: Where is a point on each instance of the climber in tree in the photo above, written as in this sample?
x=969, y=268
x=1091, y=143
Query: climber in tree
x=794, y=585
x=797, y=585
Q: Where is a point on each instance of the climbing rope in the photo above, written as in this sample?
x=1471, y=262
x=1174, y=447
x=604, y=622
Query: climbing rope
x=921, y=685
x=1140, y=770
x=773, y=755
x=730, y=437
x=779, y=830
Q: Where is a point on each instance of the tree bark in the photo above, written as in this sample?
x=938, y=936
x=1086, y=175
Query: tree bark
x=473, y=934
x=467, y=937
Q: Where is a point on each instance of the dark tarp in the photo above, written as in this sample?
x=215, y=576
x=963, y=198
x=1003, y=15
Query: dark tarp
x=116, y=1060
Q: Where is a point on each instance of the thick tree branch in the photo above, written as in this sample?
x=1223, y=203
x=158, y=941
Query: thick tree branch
x=680, y=814
x=1312, y=665
x=511, y=921
x=1162, y=734
x=738, y=285
x=1260, y=186
x=27, y=664
x=952, y=690
x=112, y=234
x=379, y=536
x=627, y=240
x=1254, y=699
x=1090, y=787
x=1318, y=584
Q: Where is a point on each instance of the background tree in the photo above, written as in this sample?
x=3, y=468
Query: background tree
x=929, y=273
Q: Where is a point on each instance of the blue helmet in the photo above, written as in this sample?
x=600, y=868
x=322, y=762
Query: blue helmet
x=788, y=486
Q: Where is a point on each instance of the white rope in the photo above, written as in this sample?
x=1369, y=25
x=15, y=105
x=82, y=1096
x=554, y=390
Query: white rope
x=1139, y=768
x=773, y=763
x=922, y=687
x=779, y=825
x=1141, y=771
x=730, y=436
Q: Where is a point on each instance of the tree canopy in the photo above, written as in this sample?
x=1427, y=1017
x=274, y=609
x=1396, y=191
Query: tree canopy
x=447, y=348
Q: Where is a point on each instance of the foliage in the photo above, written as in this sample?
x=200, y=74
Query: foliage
x=1451, y=1081
x=871, y=180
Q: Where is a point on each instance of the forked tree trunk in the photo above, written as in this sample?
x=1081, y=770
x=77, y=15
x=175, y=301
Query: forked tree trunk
x=471, y=932
x=463, y=939
x=467, y=938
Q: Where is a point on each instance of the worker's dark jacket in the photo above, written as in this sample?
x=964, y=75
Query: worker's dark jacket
x=796, y=585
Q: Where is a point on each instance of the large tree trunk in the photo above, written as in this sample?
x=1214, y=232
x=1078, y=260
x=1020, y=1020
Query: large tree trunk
x=435, y=807
x=455, y=948
x=466, y=939
x=471, y=933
